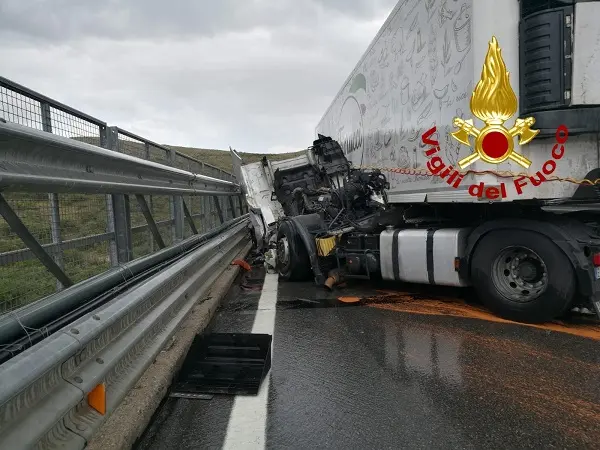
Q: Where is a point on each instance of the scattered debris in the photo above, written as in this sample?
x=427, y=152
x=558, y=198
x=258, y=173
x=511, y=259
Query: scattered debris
x=225, y=363
x=243, y=264
x=271, y=261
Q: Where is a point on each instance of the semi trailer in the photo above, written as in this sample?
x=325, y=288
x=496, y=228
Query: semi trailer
x=462, y=150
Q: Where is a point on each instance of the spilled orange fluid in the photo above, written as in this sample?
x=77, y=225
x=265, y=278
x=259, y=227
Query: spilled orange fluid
x=403, y=302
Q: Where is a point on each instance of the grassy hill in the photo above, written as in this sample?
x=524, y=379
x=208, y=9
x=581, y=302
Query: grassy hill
x=222, y=158
x=217, y=158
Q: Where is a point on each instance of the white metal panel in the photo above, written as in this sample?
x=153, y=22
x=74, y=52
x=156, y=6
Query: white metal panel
x=586, y=54
x=258, y=190
x=386, y=239
x=451, y=195
x=399, y=197
x=412, y=258
x=291, y=163
x=580, y=157
x=448, y=244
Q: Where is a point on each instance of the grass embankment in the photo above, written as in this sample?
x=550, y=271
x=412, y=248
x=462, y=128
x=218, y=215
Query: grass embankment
x=222, y=159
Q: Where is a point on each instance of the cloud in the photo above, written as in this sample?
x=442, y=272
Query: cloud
x=253, y=74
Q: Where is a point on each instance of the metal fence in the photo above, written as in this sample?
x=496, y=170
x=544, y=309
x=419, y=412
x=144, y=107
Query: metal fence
x=84, y=232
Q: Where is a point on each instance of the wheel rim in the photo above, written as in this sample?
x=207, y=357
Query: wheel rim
x=283, y=253
x=519, y=274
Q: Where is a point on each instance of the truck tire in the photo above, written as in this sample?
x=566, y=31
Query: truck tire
x=522, y=276
x=293, y=263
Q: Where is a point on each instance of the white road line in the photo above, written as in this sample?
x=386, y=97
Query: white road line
x=248, y=420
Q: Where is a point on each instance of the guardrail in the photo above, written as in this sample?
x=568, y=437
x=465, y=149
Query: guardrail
x=28, y=325
x=79, y=197
x=91, y=287
x=37, y=161
x=45, y=391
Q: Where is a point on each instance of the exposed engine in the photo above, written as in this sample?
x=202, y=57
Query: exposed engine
x=314, y=214
x=330, y=187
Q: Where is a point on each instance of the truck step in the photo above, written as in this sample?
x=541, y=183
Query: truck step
x=224, y=363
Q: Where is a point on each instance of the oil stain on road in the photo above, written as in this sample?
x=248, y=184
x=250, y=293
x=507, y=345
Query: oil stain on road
x=554, y=380
x=455, y=307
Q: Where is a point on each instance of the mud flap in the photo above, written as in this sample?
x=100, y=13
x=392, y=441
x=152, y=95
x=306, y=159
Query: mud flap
x=596, y=303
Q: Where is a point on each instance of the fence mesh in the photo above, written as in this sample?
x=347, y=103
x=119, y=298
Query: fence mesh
x=17, y=108
x=23, y=110
x=83, y=225
x=132, y=147
x=34, y=211
x=142, y=241
x=191, y=165
x=22, y=283
x=158, y=155
x=23, y=278
x=69, y=126
x=74, y=228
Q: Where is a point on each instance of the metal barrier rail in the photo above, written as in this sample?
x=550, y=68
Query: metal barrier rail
x=43, y=394
x=55, y=158
x=36, y=315
x=34, y=160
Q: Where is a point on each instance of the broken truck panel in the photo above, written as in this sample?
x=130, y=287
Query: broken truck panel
x=257, y=185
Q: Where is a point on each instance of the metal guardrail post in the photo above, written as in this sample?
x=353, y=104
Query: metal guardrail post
x=189, y=218
x=151, y=202
x=177, y=209
x=150, y=220
x=121, y=213
x=204, y=213
x=241, y=202
x=53, y=201
x=232, y=207
x=110, y=216
x=217, y=205
x=205, y=206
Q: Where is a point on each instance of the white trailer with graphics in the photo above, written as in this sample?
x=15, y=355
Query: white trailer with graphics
x=433, y=166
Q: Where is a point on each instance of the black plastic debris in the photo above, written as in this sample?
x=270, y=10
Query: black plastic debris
x=191, y=396
x=225, y=363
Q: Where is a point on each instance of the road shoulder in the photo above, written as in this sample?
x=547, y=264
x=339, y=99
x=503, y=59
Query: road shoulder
x=130, y=419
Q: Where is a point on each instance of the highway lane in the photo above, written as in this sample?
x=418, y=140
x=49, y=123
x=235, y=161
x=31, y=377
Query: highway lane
x=384, y=369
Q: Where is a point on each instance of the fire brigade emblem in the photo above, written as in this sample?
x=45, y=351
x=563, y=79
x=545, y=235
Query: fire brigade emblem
x=494, y=102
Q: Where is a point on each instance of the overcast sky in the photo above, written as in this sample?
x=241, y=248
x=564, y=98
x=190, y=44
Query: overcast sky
x=254, y=74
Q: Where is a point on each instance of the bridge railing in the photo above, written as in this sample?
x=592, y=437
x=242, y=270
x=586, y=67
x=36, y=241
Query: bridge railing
x=79, y=197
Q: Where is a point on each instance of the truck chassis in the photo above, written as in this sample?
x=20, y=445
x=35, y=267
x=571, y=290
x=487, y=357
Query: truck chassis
x=530, y=261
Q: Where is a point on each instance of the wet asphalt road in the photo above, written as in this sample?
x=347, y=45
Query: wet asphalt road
x=379, y=375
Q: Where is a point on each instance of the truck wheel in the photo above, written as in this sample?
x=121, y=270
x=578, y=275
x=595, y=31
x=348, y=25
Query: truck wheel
x=522, y=276
x=293, y=263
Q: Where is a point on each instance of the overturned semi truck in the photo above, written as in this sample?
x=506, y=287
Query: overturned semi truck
x=462, y=150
